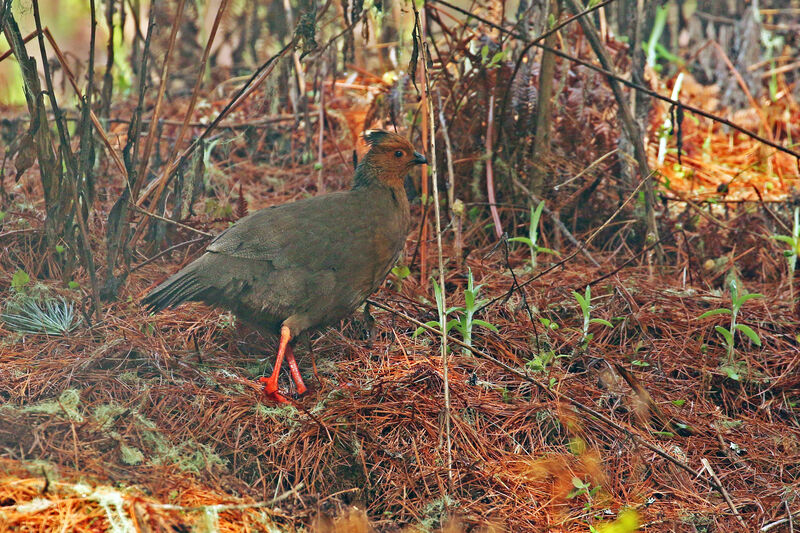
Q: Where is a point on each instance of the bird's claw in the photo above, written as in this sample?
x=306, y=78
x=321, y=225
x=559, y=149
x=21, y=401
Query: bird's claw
x=271, y=391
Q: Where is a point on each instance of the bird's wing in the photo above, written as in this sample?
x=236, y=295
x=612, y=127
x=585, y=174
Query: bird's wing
x=289, y=234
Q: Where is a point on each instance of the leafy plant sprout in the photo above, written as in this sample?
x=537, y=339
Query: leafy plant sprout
x=532, y=239
x=793, y=251
x=585, y=302
x=729, y=334
x=465, y=321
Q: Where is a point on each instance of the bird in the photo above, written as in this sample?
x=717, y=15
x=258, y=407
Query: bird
x=303, y=265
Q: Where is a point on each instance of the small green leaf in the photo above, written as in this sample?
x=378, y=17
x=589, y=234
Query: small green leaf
x=19, y=280
x=750, y=296
x=543, y=250
x=678, y=403
x=601, y=321
x=714, y=312
x=667, y=434
x=73, y=285
x=582, y=302
x=726, y=334
x=485, y=324
x=752, y=335
x=451, y=323
x=525, y=240
x=731, y=372
x=496, y=58
x=401, y=271
x=469, y=299
x=784, y=238
x=59, y=249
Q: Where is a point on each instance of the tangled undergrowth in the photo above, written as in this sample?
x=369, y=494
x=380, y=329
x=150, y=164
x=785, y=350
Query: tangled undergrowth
x=604, y=408
x=169, y=405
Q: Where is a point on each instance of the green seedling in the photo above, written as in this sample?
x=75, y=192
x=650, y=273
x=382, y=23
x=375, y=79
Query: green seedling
x=401, y=272
x=793, y=241
x=19, y=280
x=585, y=302
x=540, y=361
x=583, y=487
x=533, y=236
x=465, y=320
x=729, y=334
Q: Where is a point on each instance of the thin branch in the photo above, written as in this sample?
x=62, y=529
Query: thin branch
x=498, y=227
x=170, y=168
x=723, y=491
x=426, y=57
x=141, y=173
x=170, y=221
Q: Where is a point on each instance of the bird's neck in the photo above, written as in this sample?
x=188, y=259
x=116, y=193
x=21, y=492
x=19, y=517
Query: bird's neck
x=368, y=174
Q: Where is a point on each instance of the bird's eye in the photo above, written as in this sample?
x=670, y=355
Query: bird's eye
x=398, y=153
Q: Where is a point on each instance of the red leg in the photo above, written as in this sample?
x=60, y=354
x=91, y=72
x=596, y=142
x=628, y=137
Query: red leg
x=295, y=371
x=271, y=383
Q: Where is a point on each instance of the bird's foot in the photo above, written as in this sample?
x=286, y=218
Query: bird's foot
x=271, y=390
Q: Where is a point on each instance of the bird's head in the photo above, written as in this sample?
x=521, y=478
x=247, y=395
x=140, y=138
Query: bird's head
x=389, y=159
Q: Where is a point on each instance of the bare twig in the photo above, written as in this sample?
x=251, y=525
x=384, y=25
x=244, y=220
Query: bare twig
x=170, y=221
x=170, y=249
x=451, y=178
x=498, y=227
x=723, y=491
x=437, y=215
x=141, y=173
x=170, y=168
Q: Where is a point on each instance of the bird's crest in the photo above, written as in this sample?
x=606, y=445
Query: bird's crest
x=374, y=137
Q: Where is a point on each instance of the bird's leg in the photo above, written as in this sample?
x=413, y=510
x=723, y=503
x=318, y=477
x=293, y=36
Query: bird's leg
x=271, y=383
x=295, y=371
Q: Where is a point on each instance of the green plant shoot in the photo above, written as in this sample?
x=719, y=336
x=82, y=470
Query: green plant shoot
x=533, y=236
x=585, y=302
x=793, y=241
x=729, y=334
x=465, y=320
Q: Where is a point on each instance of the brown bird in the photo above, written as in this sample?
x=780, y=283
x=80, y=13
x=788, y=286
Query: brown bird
x=291, y=268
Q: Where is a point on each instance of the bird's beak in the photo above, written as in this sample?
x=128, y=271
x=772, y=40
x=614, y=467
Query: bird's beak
x=419, y=159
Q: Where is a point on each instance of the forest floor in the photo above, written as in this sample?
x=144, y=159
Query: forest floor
x=140, y=422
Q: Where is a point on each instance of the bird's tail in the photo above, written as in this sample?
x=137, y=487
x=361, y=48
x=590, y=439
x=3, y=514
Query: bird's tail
x=181, y=287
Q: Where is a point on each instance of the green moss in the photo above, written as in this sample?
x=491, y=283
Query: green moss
x=106, y=414
x=68, y=404
x=436, y=512
x=131, y=455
